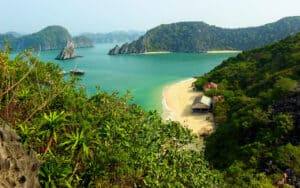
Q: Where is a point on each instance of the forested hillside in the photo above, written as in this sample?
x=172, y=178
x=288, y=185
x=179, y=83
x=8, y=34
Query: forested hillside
x=195, y=37
x=49, y=38
x=257, y=139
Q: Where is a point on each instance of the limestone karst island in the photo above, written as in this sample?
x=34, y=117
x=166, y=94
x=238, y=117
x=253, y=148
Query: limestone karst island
x=150, y=94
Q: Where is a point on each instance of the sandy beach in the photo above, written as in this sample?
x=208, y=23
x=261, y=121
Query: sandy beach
x=223, y=51
x=159, y=52
x=177, y=102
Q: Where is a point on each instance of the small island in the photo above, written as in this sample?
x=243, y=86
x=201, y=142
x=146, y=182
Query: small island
x=200, y=37
x=68, y=52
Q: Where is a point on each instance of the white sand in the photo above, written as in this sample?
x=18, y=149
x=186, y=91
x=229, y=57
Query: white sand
x=177, y=102
x=222, y=51
x=159, y=52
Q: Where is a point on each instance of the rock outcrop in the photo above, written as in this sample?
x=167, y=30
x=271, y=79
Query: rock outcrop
x=18, y=166
x=114, y=51
x=133, y=48
x=68, y=52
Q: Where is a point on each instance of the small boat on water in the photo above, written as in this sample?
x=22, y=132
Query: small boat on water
x=77, y=72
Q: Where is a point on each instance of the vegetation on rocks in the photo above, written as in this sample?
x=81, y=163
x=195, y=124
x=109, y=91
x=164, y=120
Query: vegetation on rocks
x=49, y=38
x=195, y=37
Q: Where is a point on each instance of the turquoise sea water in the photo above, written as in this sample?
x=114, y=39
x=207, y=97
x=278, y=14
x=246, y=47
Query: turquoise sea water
x=143, y=75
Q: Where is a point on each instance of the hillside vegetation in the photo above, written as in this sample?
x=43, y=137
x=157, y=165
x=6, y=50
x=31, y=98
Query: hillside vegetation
x=98, y=141
x=257, y=139
x=49, y=38
x=195, y=37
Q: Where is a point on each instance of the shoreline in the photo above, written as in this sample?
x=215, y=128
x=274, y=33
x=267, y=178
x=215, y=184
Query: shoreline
x=177, y=100
x=207, y=52
x=158, y=52
x=223, y=51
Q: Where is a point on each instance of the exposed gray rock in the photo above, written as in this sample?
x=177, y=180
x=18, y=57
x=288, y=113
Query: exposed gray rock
x=18, y=166
x=124, y=49
x=68, y=52
x=114, y=51
x=129, y=48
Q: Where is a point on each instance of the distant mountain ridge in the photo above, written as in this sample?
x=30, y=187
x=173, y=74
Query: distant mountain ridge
x=15, y=34
x=114, y=37
x=82, y=42
x=195, y=37
x=49, y=38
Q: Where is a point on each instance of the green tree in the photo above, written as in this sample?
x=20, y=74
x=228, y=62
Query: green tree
x=50, y=127
x=288, y=157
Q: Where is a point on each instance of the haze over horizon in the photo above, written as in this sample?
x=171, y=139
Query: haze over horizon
x=110, y=15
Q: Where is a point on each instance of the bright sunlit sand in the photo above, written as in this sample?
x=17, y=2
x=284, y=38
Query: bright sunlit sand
x=177, y=106
x=158, y=52
x=222, y=51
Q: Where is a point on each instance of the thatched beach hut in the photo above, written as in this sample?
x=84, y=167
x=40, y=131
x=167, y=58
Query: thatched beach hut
x=202, y=104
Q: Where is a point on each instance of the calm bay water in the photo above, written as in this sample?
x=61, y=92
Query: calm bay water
x=143, y=75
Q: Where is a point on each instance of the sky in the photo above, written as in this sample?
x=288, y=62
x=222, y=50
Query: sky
x=78, y=16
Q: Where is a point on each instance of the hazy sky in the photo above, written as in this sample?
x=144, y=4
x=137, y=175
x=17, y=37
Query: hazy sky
x=79, y=16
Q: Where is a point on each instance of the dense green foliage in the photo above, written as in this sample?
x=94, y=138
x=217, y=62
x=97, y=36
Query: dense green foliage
x=201, y=37
x=257, y=138
x=100, y=141
x=114, y=37
x=49, y=38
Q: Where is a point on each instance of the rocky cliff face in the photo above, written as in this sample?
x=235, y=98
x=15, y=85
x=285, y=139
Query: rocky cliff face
x=68, y=52
x=18, y=166
x=114, y=51
x=134, y=47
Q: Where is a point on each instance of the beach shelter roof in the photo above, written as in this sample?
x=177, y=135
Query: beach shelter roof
x=202, y=102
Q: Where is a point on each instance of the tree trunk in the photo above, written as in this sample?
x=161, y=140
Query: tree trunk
x=48, y=144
